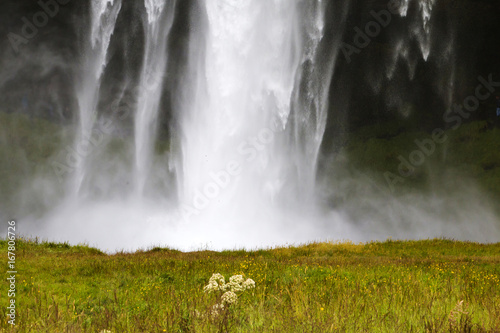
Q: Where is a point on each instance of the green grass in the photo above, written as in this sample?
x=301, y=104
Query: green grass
x=392, y=286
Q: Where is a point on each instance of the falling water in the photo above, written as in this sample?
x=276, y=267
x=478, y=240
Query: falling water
x=420, y=29
x=249, y=68
x=157, y=24
x=238, y=133
x=310, y=100
x=103, y=18
x=418, y=15
x=426, y=7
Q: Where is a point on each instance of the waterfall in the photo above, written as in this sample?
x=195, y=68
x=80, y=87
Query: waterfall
x=310, y=106
x=247, y=79
x=157, y=24
x=103, y=19
x=256, y=73
x=247, y=89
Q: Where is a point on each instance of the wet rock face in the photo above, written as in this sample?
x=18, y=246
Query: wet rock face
x=39, y=43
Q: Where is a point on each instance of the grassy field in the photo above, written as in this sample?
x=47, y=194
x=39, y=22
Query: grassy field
x=392, y=286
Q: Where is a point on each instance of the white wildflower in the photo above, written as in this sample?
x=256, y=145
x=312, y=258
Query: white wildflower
x=215, y=283
x=234, y=287
x=229, y=297
x=236, y=279
x=249, y=284
x=216, y=310
x=234, y=284
x=211, y=287
x=218, y=278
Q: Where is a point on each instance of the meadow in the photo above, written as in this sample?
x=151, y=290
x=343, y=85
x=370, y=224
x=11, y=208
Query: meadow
x=393, y=286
